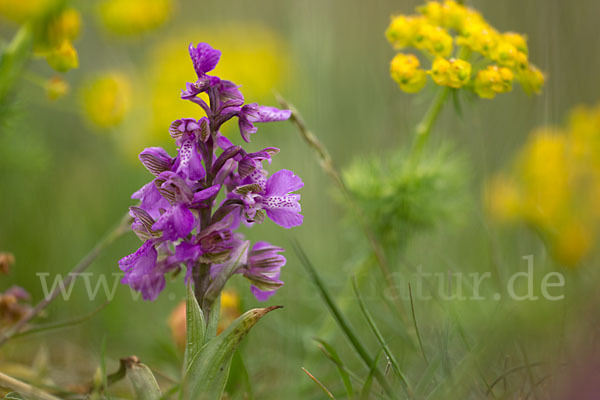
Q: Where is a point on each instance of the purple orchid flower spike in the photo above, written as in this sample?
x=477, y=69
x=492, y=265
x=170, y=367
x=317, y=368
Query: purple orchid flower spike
x=252, y=113
x=180, y=221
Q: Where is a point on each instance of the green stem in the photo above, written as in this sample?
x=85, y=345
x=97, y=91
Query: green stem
x=423, y=130
x=13, y=58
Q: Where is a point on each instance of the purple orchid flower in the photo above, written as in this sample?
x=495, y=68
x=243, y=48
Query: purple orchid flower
x=273, y=195
x=263, y=270
x=252, y=113
x=180, y=220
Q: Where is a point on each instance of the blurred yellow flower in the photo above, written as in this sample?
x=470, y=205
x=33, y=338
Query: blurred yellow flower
x=65, y=26
x=230, y=309
x=107, y=99
x=253, y=56
x=554, y=186
x=134, y=17
x=532, y=79
x=56, y=87
x=63, y=58
x=405, y=70
x=502, y=198
x=54, y=37
x=22, y=10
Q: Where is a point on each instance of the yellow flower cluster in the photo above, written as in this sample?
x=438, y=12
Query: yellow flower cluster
x=134, y=17
x=554, y=186
x=55, y=40
x=439, y=28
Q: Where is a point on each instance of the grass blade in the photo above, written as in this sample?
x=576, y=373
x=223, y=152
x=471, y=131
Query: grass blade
x=61, y=325
x=330, y=353
x=341, y=319
x=381, y=339
x=366, y=389
x=414, y=318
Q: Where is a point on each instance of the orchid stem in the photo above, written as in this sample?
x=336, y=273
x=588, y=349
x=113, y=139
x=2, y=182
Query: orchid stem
x=423, y=130
x=77, y=270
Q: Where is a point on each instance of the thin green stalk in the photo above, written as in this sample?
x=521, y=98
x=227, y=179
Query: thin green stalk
x=318, y=382
x=13, y=58
x=341, y=319
x=77, y=270
x=414, y=318
x=423, y=130
x=60, y=325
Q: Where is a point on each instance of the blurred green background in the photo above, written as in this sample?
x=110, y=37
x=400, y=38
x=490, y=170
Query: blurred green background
x=66, y=182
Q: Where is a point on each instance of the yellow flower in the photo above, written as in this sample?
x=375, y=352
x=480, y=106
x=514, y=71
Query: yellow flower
x=572, y=242
x=404, y=69
x=542, y=167
x=134, y=17
x=507, y=55
x=65, y=26
x=532, y=79
x=449, y=14
x=584, y=129
x=230, y=309
x=402, y=30
x=454, y=72
x=556, y=183
x=434, y=40
x=478, y=36
x=517, y=40
x=56, y=88
x=502, y=198
x=22, y=10
x=107, y=99
x=63, y=58
x=493, y=80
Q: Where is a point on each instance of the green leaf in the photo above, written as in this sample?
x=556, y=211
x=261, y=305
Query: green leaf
x=196, y=327
x=142, y=380
x=208, y=371
x=213, y=319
